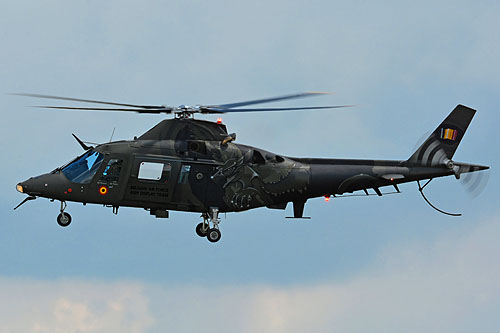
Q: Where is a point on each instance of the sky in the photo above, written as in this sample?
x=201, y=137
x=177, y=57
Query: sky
x=387, y=264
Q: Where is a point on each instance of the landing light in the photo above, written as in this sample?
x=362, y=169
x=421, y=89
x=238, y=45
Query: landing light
x=19, y=188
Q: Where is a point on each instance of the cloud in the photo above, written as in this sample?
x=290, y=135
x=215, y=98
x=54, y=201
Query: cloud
x=72, y=306
x=448, y=285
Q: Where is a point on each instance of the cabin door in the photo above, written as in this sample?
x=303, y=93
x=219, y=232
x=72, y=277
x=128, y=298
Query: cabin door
x=152, y=180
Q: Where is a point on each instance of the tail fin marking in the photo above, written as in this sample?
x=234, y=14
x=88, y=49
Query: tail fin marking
x=443, y=142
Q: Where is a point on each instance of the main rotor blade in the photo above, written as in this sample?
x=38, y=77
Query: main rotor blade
x=157, y=110
x=268, y=100
x=88, y=101
x=222, y=110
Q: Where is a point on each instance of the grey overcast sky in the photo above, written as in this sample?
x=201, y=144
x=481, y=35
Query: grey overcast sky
x=389, y=264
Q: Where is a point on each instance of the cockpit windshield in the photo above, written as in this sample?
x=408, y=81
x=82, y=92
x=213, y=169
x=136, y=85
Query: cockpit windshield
x=83, y=169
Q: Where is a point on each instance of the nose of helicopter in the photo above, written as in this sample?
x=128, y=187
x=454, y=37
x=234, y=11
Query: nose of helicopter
x=50, y=185
x=30, y=187
x=35, y=186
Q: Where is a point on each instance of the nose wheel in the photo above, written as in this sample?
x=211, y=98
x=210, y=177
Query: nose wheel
x=203, y=229
x=63, y=219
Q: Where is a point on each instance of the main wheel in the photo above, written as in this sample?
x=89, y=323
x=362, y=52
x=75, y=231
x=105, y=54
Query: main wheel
x=213, y=235
x=201, y=231
x=63, y=219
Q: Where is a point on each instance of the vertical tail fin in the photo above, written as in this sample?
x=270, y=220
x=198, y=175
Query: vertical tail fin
x=443, y=142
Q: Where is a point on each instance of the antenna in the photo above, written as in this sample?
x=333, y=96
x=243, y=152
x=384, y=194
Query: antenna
x=421, y=190
x=113, y=133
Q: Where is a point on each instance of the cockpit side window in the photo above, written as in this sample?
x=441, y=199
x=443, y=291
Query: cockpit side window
x=111, y=174
x=84, y=168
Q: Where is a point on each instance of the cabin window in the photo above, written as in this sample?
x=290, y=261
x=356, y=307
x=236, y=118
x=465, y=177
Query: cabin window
x=150, y=171
x=154, y=171
x=84, y=168
x=184, y=175
x=111, y=173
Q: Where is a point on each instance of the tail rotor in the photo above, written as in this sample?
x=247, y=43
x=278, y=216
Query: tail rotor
x=475, y=182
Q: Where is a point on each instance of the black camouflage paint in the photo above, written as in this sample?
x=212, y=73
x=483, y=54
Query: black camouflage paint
x=205, y=172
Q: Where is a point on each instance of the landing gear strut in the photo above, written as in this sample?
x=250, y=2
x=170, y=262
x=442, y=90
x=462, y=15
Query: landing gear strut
x=203, y=229
x=63, y=219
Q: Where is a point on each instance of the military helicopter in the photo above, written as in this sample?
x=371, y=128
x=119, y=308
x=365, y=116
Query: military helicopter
x=187, y=164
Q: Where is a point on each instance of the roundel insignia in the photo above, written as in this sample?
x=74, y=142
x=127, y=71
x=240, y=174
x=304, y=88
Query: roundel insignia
x=103, y=190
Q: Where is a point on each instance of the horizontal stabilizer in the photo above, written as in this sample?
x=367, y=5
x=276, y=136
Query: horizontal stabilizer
x=460, y=168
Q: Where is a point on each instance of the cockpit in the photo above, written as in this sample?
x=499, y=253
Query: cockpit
x=83, y=169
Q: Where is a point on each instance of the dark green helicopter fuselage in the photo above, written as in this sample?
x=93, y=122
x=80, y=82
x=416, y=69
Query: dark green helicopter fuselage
x=180, y=164
x=192, y=165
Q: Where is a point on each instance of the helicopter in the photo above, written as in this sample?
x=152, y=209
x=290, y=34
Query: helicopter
x=193, y=165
